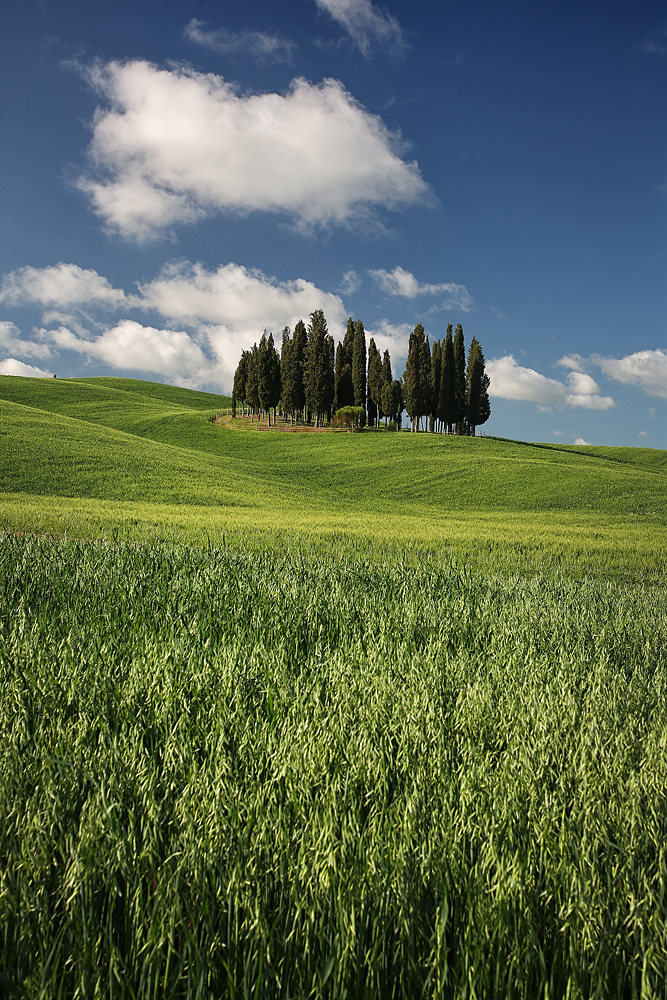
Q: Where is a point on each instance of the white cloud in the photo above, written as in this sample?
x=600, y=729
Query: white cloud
x=647, y=369
x=176, y=145
x=403, y=283
x=131, y=346
x=392, y=337
x=573, y=361
x=12, y=343
x=656, y=43
x=10, y=366
x=226, y=310
x=237, y=297
x=60, y=286
x=257, y=44
x=510, y=380
x=365, y=24
x=581, y=441
x=642, y=434
x=350, y=283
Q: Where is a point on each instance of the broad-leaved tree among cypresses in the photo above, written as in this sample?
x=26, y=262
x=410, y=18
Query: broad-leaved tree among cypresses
x=447, y=396
x=477, y=384
x=459, y=381
x=318, y=369
x=268, y=376
x=359, y=365
x=374, y=382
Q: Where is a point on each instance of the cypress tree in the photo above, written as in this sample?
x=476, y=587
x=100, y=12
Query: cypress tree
x=287, y=375
x=252, y=386
x=447, y=394
x=459, y=417
x=387, y=379
x=240, y=378
x=374, y=381
x=344, y=391
x=435, y=383
x=318, y=368
x=477, y=385
x=359, y=366
x=425, y=378
x=299, y=363
x=412, y=377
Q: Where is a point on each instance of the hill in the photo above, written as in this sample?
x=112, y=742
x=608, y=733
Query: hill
x=125, y=442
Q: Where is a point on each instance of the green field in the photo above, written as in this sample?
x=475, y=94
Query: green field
x=337, y=715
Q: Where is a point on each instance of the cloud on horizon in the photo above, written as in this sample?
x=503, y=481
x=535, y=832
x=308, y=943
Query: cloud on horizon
x=509, y=380
x=646, y=369
x=366, y=24
x=10, y=366
x=223, y=312
x=175, y=146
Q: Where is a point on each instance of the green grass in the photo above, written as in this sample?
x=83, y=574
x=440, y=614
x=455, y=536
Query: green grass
x=228, y=772
x=370, y=715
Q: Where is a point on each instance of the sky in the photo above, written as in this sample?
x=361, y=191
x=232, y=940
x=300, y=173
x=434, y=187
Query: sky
x=179, y=175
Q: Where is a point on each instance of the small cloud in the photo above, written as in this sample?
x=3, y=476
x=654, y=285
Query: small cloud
x=655, y=44
x=257, y=44
x=400, y=282
x=642, y=434
x=545, y=409
x=572, y=361
x=350, y=283
x=647, y=369
x=13, y=367
x=581, y=441
x=558, y=433
x=497, y=313
x=366, y=25
x=662, y=190
x=652, y=410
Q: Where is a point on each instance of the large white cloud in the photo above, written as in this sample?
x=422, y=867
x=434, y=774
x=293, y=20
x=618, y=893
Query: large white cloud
x=10, y=366
x=510, y=380
x=257, y=44
x=176, y=145
x=403, y=283
x=366, y=25
x=60, y=286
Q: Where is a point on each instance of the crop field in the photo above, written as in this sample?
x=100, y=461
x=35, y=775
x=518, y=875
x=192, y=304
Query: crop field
x=325, y=716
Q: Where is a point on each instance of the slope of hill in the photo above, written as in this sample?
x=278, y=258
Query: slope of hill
x=131, y=443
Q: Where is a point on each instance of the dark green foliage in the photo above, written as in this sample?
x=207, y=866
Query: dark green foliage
x=343, y=388
x=436, y=371
x=459, y=414
x=319, y=367
x=240, y=379
x=359, y=364
x=268, y=375
x=374, y=382
x=392, y=400
x=477, y=381
x=252, y=379
x=288, y=375
x=447, y=395
x=300, y=343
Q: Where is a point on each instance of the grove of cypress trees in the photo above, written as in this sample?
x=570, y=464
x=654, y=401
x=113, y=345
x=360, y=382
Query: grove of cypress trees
x=359, y=365
x=477, y=388
x=459, y=417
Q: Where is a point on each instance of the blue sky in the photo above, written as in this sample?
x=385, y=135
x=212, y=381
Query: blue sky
x=178, y=175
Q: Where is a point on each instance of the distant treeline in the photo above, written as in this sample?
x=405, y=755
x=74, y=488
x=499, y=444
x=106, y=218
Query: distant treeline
x=310, y=380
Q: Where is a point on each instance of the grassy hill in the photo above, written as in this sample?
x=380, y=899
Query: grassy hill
x=152, y=456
